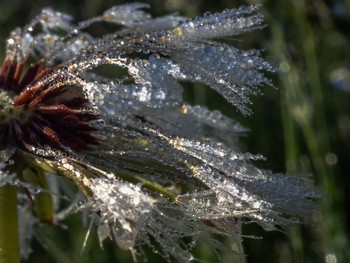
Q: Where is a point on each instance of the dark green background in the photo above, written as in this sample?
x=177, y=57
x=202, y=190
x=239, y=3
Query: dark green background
x=300, y=128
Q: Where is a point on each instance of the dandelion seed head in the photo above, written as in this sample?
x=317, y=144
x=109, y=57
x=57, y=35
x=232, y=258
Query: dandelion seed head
x=152, y=169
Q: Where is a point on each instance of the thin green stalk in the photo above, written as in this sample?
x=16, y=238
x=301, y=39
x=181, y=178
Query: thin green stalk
x=54, y=168
x=152, y=186
x=317, y=140
x=9, y=240
x=43, y=204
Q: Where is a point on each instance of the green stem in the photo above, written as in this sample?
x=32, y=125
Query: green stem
x=54, y=168
x=150, y=185
x=9, y=240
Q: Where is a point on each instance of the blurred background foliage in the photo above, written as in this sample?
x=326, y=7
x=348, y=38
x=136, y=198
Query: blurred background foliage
x=302, y=128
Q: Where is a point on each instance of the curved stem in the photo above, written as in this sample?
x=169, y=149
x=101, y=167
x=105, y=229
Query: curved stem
x=129, y=176
x=9, y=239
